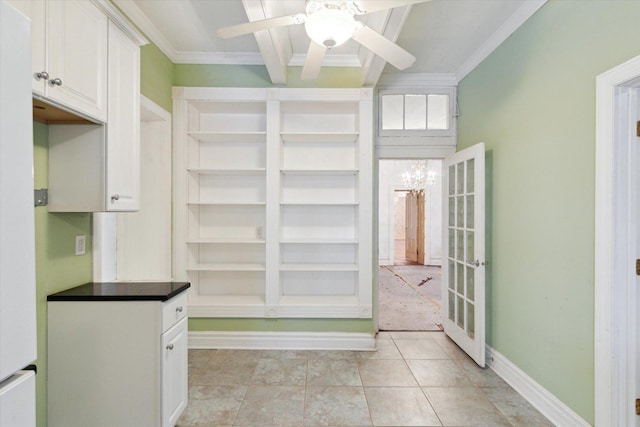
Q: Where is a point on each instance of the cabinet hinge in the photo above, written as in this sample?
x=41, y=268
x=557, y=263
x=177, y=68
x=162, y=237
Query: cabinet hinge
x=638, y=267
x=41, y=197
x=637, y=406
x=638, y=128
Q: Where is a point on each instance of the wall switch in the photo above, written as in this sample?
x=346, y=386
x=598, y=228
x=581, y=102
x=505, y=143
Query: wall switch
x=81, y=244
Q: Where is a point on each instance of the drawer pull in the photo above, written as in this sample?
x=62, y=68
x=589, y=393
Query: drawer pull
x=179, y=309
x=170, y=347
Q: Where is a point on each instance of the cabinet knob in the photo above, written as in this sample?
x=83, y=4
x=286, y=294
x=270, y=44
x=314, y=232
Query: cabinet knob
x=42, y=75
x=115, y=198
x=170, y=347
x=179, y=309
x=55, y=82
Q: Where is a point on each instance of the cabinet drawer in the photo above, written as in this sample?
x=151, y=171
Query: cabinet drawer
x=174, y=310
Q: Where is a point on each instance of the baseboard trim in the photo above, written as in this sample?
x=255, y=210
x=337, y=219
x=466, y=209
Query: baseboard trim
x=544, y=401
x=282, y=340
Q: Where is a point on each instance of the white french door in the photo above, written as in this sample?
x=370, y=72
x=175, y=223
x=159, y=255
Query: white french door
x=463, y=271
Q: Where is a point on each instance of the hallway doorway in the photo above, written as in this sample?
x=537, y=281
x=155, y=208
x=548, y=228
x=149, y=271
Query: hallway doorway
x=410, y=229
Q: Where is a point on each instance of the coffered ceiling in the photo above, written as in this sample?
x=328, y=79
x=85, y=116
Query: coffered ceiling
x=447, y=37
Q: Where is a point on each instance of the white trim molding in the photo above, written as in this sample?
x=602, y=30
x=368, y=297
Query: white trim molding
x=615, y=239
x=544, y=401
x=282, y=340
x=417, y=79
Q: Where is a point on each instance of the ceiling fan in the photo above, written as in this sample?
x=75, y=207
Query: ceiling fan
x=330, y=23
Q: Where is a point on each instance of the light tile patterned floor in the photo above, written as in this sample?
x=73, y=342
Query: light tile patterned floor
x=413, y=379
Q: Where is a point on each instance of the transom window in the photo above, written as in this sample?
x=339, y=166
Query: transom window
x=425, y=111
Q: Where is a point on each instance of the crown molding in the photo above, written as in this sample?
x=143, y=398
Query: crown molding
x=218, y=58
x=121, y=22
x=514, y=22
x=417, y=79
x=151, y=31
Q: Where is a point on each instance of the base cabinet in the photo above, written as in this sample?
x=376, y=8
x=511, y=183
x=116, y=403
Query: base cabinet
x=117, y=363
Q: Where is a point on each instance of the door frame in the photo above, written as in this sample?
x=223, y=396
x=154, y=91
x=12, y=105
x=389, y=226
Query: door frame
x=436, y=152
x=615, y=242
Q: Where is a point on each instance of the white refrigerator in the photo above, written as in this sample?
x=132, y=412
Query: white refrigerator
x=17, y=242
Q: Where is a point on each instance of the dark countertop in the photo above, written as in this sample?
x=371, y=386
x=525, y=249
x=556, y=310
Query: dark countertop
x=121, y=291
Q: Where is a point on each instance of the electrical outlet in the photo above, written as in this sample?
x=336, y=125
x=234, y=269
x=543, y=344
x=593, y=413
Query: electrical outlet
x=81, y=244
x=259, y=233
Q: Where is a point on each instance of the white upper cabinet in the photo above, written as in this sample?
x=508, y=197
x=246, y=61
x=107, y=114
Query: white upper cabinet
x=70, y=55
x=123, y=129
x=96, y=167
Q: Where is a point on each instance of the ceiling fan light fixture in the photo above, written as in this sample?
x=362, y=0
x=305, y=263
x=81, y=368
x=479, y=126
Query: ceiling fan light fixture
x=330, y=27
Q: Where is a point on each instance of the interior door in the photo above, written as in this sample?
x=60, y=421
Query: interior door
x=420, y=230
x=411, y=227
x=463, y=273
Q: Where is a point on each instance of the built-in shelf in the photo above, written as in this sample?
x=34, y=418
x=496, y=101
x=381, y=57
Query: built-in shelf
x=319, y=137
x=202, y=171
x=238, y=240
x=318, y=267
x=228, y=136
x=273, y=200
x=226, y=267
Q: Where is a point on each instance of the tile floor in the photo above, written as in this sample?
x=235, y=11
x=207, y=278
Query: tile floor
x=413, y=379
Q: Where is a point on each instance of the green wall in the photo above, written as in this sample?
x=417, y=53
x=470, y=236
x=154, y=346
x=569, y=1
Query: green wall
x=57, y=267
x=156, y=72
x=257, y=76
x=533, y=103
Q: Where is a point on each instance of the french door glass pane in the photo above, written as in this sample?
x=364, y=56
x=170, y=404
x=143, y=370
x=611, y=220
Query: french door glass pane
x=470, y=248
x=460, y=245
x=460, y=312
x=460, y=278
x=452, y=211
x=452, y=180
x=471, y=327
x=460, y=183
x=470, y=211
x=452, y=274
x=452, y=306
x=452, y=243
x=460, y=211
x=470, y=284
x=470, y=175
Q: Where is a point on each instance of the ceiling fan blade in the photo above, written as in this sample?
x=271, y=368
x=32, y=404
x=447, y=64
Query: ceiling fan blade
x=265, y=24
x=368, y=6
x=384, y=48
x=313, y=62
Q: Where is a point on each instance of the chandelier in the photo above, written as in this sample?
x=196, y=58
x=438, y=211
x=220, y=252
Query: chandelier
x=417, y=178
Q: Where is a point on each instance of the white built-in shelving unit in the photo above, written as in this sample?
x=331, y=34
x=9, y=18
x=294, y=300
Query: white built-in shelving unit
x=273, y=201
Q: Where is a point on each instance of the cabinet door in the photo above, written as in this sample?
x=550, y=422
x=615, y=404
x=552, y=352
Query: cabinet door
x=123, y=129
x=77, y=56
x=174, y=373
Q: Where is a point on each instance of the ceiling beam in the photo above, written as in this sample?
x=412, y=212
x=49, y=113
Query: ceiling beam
x=274, y=47
x=372, y=65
